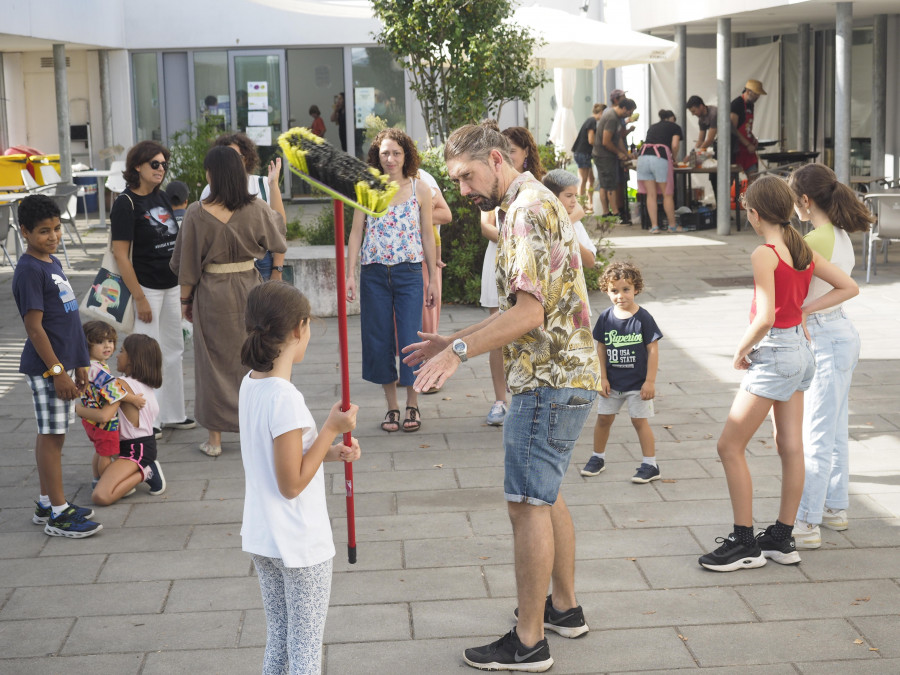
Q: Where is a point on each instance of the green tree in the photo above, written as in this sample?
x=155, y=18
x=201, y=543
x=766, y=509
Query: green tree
x=465, y=58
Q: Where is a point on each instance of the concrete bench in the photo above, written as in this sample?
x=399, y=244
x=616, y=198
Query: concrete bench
x=312, y=270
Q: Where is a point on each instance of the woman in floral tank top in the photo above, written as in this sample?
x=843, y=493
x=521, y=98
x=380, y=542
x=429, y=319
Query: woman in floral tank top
x=391, y=250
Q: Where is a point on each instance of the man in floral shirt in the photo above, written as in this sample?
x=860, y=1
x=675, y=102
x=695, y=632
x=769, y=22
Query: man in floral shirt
x=553, y=372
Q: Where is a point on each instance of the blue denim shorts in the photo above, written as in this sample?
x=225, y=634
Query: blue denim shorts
x=780, y=365
x=539, y=434
x=582, y=160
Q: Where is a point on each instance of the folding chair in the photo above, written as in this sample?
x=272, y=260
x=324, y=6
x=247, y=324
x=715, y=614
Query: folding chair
x=886, y=207
x=5, y=228
x=65, y=199
x=28, y=180
x=51, y=177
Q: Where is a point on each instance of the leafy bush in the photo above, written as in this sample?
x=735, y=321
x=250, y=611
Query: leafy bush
x=188, y=151
x=320, y=232
x=462, y=245
x=598, y=228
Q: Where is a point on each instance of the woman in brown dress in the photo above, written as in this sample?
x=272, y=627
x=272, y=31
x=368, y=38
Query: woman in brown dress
x=218, y=241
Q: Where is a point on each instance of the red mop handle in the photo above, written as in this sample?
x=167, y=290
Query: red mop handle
x=345, y=368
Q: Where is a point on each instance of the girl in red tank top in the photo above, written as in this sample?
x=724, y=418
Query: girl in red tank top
x=776, y=354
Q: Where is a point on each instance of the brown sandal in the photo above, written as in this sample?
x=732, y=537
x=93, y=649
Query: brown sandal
x=413, y=418
x=391, y=419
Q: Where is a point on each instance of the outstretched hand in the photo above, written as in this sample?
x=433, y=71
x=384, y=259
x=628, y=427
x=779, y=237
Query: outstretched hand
x=436, y=371
x=432, y=344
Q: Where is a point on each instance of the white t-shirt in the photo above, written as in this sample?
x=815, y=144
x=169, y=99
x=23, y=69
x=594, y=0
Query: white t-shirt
x=296, y=530
x=253, y=183
x=146, y=415
x=583, y=237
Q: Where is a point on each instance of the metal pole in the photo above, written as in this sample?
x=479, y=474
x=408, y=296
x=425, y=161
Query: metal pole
x=105, y=101
x=879, y=99
x=803, y=107
x=62, y=113
x=681, y=79
x=4, y=123
x=843, y=45
x=723, y=154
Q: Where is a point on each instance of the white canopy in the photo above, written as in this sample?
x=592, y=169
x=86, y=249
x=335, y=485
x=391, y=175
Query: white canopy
x=574, y=41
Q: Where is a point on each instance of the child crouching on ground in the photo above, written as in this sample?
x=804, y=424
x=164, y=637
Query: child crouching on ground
x=103, y=389
x=627, y=339
x=140, y=362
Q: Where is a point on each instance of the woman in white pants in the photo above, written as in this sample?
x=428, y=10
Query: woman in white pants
x=143, y=237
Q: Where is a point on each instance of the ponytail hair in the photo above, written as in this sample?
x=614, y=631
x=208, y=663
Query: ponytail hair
x=839, y=202
x=773, y=200
x=274, y=309
x=144, y=359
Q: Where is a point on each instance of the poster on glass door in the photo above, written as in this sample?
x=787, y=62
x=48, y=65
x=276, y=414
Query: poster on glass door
x=258, y=95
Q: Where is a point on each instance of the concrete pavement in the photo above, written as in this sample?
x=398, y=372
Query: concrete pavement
x=165, y=587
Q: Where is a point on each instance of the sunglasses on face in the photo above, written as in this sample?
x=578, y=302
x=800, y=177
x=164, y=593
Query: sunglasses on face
x=154, y=164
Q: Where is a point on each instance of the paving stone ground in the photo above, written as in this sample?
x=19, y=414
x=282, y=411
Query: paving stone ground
x=165, y=587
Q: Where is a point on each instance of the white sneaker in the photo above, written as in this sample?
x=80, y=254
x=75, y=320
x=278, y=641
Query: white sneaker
x=806, y=535
x=497, y=414
x=835, y=519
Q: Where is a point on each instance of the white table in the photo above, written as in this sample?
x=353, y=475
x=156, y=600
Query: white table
x=101, y=175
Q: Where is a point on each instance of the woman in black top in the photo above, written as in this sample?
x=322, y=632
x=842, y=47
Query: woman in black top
x=143, y=222
x=654, y=168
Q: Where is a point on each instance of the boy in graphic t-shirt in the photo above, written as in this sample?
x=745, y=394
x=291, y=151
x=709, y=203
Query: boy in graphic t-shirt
x=627, y=339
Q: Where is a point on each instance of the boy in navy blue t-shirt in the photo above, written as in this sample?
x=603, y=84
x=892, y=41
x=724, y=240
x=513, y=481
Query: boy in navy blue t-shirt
x=54, y=353
x=627, y=339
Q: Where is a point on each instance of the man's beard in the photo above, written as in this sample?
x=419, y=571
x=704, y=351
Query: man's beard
x=488, y=202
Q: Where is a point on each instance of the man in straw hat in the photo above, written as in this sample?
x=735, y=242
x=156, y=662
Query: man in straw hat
x=743, y=142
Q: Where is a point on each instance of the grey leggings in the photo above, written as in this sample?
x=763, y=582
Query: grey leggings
x=296, y=603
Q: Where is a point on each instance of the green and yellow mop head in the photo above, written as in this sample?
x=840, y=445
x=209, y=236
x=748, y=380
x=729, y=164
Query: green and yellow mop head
x=341, y=175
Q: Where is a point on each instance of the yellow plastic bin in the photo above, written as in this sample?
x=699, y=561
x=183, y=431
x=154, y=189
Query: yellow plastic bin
x=11, y=169
x=37, y=160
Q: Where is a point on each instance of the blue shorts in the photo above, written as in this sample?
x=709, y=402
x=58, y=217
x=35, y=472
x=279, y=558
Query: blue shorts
x=780, y=365
x=651, y=167
x=539, y=434
x=583, y=160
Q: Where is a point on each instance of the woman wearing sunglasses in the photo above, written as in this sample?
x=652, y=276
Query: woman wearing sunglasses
x=143, y=223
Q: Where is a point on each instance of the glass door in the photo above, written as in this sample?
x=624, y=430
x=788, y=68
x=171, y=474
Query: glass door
x=257, y=102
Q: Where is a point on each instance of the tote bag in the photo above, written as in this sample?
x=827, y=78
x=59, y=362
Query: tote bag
x=108, y=299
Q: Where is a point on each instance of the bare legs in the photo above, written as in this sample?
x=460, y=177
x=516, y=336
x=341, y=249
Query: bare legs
x=747, y=414
x=654, y=189
x=544, y=549
x=48, y=455
x=587, y=181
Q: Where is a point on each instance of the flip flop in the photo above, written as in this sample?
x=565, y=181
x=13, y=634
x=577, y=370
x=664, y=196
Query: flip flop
x=411, y=418
x=391, y=419
x=654, y=230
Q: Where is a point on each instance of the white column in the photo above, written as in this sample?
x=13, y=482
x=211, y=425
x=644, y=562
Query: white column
x=681, y=79
x=843, y=46
x=62, y=112
x=879, y=97
x=723, y=153
x=803, y=103
x=105, y=100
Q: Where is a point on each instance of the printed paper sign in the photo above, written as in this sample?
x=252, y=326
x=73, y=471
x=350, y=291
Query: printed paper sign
x=363, y=104
x=260, y=135
x=258, y=95
x=257, y=118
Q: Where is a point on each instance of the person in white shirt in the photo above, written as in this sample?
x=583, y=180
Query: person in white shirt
x=285, y=526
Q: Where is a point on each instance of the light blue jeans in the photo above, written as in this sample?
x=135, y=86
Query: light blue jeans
x=835, y=344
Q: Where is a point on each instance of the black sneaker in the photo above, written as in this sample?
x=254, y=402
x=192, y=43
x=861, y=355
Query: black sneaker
x=645, y=473
x=569, y=624
x=784, y=552
x=156, y=480
x=70, y=524
x=186, y=423
x=733, y=555
x=508, y=653
x=157, y=433
x=594, y=466
x=42, y=513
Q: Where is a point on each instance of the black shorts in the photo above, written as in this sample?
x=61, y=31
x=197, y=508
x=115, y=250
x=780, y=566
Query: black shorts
x=141, y=451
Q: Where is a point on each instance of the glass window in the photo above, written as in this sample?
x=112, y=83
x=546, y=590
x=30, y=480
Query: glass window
x=257, y=80
x=146, y=97
x=211, y=87
x=378, y=89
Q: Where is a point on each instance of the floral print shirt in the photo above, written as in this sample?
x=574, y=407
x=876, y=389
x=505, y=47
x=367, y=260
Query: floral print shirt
x=538, y=253
x=395, y=237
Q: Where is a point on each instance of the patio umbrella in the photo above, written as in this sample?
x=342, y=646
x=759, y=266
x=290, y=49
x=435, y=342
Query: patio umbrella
x=574, y=41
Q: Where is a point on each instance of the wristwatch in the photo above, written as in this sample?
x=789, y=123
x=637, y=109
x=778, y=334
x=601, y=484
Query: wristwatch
x=278, y=268
x=54, y=370
x=460, y=348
